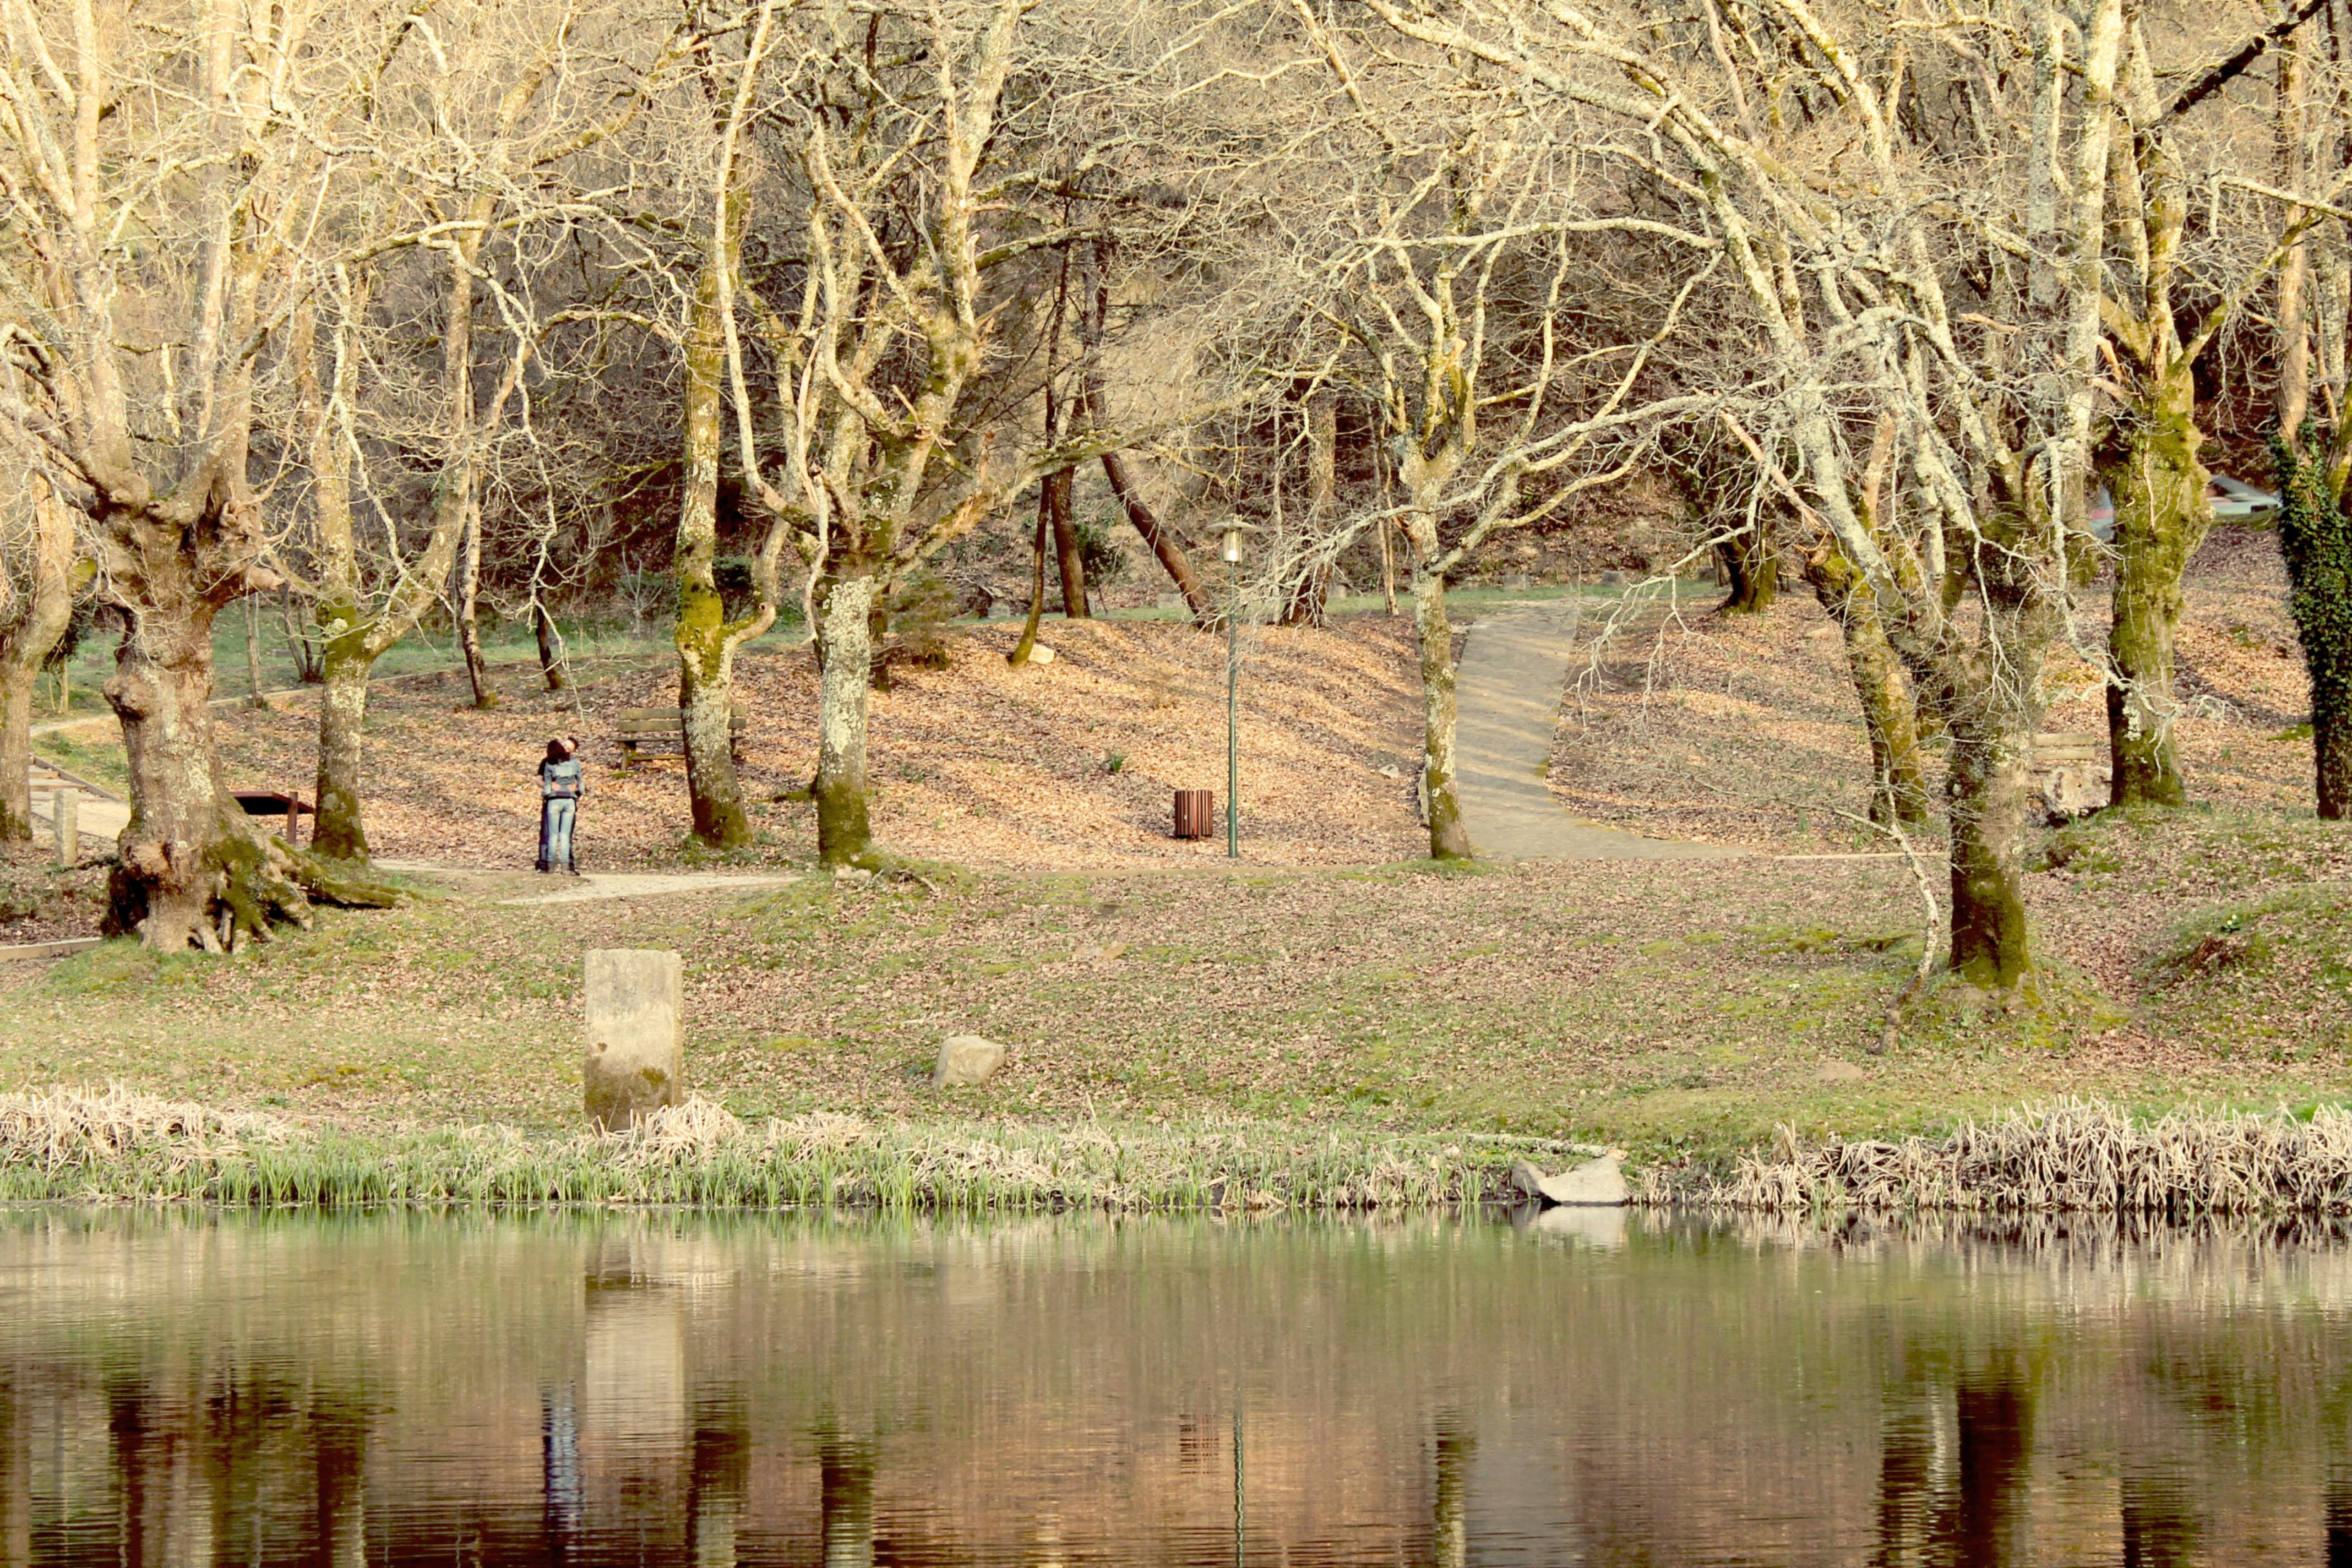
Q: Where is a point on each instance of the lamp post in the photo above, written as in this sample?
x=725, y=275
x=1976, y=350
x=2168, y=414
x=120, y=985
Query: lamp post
x=1232, y=552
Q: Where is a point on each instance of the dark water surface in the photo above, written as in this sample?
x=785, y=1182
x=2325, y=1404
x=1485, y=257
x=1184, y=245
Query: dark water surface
x=667, y=1389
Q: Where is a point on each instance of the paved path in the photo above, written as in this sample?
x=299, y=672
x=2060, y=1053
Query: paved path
x=1514, y=671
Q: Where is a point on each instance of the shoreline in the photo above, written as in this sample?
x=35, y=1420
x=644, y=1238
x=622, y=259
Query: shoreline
x=2079, y=1157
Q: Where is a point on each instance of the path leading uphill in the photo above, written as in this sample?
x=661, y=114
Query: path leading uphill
x=1514, y=669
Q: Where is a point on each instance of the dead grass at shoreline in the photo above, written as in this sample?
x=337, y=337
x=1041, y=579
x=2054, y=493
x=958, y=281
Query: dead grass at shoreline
x=116, y=1143
x=2063, y=1157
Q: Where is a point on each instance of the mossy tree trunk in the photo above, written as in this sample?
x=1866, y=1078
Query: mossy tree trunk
x=705, y=639
x=2315, y=539
x=340, y=829
x=2161, y=517
x=44, y=606
x=844, y=829
x=1898, y=783
x=192, y=870
x=1752, y=566
x=1449, y=836
x=1989, y=945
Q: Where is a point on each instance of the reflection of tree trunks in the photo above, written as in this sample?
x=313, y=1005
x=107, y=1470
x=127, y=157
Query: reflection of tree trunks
x=1906, y=1454
x=1992, y=1519
x=718, y=1480
x=2339, y=1518
x=1449, y=1521
x=845, y=1502
x=2159, y=1523
x=562, y=1491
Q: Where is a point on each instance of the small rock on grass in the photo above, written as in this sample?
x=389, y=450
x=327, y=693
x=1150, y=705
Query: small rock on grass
x=966, y=1060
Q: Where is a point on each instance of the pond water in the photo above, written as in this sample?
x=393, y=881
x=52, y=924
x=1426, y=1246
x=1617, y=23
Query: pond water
x=612, y=1388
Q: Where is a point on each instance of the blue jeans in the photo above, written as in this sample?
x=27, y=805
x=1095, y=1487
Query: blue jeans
x=555, y=819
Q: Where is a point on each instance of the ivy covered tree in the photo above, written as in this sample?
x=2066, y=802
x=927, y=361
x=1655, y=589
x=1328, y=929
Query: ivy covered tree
x=2316, y=537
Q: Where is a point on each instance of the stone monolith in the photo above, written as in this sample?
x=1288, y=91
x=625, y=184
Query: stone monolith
x=636, y=1001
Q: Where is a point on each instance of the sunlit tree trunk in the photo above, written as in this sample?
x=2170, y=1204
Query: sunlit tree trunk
x=844, y=829
x=1449, y=837
x=705, y=642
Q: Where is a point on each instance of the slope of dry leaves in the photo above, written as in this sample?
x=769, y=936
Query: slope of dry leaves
x=1064, y=765
x=1743, y=730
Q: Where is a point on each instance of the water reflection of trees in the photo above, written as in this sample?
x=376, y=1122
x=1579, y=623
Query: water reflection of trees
x=664, y=1392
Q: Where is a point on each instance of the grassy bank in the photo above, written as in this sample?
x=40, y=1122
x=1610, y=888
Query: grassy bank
x=1685, y=1012
x=120, y=1145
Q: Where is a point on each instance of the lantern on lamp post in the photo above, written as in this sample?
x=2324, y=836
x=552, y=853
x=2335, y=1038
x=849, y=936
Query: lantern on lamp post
x=1231, y=552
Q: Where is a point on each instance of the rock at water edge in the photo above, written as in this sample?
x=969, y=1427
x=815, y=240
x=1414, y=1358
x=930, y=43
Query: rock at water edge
x=1526, y=1181
x=636, y=1063
x=1596, y=1182
x=966, y=1060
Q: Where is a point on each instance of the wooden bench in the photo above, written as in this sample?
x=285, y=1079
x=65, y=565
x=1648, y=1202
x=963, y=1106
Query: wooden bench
x=2072, y=771
x=274, y=803
x=642, y=728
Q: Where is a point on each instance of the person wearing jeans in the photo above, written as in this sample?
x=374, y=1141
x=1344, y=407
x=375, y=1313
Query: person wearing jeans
x=562, y=784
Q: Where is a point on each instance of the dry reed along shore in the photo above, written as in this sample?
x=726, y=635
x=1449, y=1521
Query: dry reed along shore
x=2071, y=1157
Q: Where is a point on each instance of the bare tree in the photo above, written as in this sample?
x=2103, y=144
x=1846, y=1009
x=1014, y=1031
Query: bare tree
x=165, y=173
x=1909, y=262
x=1447, y=230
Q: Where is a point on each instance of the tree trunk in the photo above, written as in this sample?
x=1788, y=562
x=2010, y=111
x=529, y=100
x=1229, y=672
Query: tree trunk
x=253, y=698
x=191, y=864
x=705, y=649
x=1449, y=838
x=337, y=831
x=550, y=650
x=1898, y=787
x=1069, y=552
x=1309, y=596
x=1987, y=816
x=1751, y=561
x=1028, y=643
x=1148, y=523
x=25, y=648
x=844, y=830
x=469, y=598
x=2314, y=537
x=2161, y=516
x=1163, y=540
